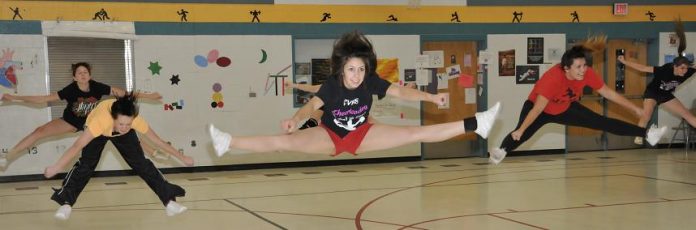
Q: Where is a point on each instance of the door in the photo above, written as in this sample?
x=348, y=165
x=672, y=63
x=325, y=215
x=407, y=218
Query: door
x=627, y=82
x=634, y=83
x=464, y=54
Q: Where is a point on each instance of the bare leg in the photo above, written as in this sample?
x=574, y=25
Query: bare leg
x=383, y=136
x=648, y=108
x=311, y=140
x=676, y=107
x=52, y=128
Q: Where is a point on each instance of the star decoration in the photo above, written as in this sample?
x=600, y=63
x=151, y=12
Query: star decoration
x=175, y=79
x=155, y=68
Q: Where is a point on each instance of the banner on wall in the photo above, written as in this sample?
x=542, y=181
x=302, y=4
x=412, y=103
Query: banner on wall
x=112, y=30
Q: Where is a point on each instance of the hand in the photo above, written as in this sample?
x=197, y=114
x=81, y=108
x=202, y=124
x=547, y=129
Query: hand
x=411, y=85
x=156, y=96
x=621, y=59
x=289, y=125
x=51, y=171
x=517, y=134
x=289, y=85
x=187, y=160
x=440, y=98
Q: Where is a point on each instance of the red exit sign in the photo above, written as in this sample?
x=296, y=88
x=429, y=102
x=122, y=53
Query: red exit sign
x=621, y=9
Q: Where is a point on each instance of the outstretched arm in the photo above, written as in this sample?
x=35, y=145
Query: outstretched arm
x=152, y=136
x=69, y=154
x=33, y=99
x=633, y=65
x=290, y=125
x=304, y=87
x=533, y=114
x=118, y=92
x=415, y=95
x=613, y=96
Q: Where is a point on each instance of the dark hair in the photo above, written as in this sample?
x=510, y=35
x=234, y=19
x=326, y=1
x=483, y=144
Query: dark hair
x=83, y=64
x=584, y=50
x=353, y=45
x=127, y=105
x=680, y=59
x=679, y=30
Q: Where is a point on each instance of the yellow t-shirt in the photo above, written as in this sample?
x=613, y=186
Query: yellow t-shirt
x=100, y=123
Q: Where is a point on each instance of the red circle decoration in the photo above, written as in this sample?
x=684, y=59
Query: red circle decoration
x=223, y=61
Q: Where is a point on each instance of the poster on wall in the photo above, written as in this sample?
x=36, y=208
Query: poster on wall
x=535, y=50
x=506, y=63
x=527, y=74
x=388, y=69
x=321, y=69
x=409, y=75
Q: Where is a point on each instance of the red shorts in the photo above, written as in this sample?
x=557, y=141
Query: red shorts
x=350, y=142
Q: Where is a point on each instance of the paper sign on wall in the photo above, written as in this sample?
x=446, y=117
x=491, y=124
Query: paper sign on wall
x=435, y=58
x=446, y=105
x=422, y=77
x=470, y=96
x=465, y=81
x=422, y=61
x=484, y=57
x=442, y=81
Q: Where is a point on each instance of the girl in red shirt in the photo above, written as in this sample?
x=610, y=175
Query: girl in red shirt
x=555, y=99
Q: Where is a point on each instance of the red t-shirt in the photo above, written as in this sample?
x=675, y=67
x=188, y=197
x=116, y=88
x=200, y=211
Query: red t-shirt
x=560, y=91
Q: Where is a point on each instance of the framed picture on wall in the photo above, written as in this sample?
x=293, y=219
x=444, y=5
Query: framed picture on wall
x=506, y=63
x=321, y=69
x=527, y=74
x=535, y=50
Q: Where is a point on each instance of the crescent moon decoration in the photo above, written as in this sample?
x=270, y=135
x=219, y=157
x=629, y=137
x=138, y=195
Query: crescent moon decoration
x=264, y=56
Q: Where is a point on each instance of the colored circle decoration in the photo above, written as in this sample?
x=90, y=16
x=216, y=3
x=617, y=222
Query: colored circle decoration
x=223, y=61
x=213, y=55
x=200, y=61
x=217, y=87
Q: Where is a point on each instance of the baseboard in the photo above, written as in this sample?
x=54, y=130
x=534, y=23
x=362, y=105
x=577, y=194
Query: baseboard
x=217, y=168
x=536, y=152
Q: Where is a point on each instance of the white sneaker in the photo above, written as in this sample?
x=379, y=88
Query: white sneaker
x=496, y=155
x=655, y=134
x=63, y=212
x=638, y=141
x=221, y=140
x=486, y=119
x=174, y=208
x=159, y=155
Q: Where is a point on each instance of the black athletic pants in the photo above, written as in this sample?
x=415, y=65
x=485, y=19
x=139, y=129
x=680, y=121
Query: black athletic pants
x=129, y=147
x=576, y=115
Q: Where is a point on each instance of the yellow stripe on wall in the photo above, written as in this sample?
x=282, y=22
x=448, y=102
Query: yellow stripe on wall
x=166, y=12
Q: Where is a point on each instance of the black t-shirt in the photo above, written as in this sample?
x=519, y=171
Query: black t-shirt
x=80, y=103
x=344, y=109
x=665, y=80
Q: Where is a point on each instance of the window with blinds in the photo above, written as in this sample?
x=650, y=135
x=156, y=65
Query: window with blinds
x=110, y=60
